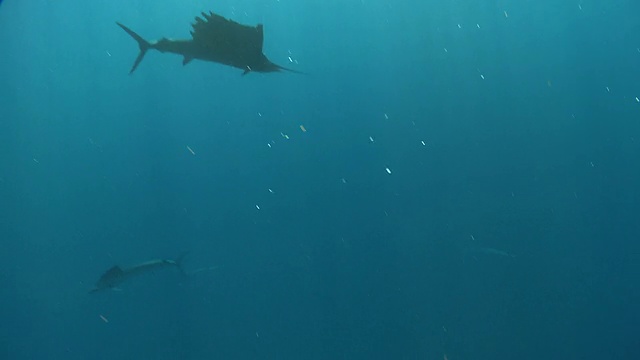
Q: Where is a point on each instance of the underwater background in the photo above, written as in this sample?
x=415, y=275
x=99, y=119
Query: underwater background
x=450, y=180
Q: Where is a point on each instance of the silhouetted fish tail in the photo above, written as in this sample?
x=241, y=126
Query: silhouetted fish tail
x=142, y=43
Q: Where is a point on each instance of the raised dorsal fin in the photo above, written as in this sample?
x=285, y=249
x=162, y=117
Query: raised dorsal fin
x=259, y=29
x=114, y=271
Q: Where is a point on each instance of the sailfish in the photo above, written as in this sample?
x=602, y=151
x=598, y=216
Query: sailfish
x=215, y=39
x=117, y=275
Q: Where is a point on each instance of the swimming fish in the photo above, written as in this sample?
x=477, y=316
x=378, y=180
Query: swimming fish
x=117, y=275
x=216, y=39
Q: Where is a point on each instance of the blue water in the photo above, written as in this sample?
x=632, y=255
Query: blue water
x=466, y=185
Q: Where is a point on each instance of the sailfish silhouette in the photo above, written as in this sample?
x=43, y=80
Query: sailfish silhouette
x=216, y=39
x=117, y=275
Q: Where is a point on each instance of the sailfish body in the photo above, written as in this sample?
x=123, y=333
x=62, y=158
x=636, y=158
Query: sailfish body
x=215, y=39
x=117, y=275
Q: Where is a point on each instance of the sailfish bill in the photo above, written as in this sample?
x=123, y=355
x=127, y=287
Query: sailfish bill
x=117, y=275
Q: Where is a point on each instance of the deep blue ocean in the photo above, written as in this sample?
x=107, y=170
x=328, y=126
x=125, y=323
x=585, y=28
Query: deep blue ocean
x=449, y=180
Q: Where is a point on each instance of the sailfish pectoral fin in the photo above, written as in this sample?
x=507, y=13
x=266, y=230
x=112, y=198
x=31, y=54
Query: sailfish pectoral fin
x=186, y=60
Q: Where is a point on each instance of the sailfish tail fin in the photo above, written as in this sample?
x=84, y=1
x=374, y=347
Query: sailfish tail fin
x=142, y=43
